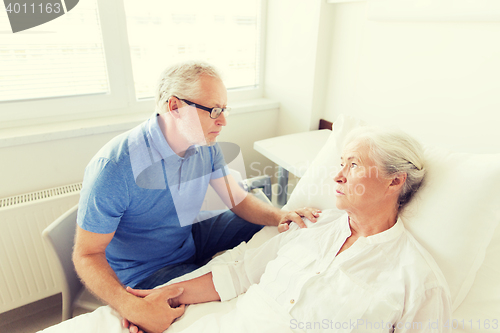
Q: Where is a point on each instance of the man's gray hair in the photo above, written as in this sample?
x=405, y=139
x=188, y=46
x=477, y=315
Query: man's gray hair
x=394, y=152
x=181, y=80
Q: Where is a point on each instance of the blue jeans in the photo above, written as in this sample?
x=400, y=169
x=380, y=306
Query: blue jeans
x=219, y=233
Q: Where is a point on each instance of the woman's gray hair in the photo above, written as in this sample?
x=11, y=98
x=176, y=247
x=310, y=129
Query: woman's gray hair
x=181, y=80
x=394, y=152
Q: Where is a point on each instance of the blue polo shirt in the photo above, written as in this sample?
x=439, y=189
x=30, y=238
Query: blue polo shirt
x=138, y=188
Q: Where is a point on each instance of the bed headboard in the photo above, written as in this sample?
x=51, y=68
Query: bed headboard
x=325, y=124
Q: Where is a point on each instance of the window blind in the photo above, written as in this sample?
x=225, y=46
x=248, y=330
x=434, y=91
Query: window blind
x=63, y=57
x=225, y=33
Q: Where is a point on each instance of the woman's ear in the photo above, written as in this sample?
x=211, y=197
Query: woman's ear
x=398, y=181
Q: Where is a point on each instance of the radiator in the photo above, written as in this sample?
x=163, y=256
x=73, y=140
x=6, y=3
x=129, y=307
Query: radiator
x=27, y=268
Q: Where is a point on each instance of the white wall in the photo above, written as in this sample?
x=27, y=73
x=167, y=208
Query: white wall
x=438, y=80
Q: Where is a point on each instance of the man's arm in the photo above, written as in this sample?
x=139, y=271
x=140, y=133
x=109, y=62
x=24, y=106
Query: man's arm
x=256, y=211
x=152, y=313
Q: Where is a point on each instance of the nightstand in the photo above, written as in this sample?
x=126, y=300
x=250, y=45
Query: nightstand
x=292, y=153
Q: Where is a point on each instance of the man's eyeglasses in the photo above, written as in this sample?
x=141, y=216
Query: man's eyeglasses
x=214, y=112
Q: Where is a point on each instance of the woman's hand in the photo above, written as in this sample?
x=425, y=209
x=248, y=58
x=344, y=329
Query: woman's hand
x=296, y=216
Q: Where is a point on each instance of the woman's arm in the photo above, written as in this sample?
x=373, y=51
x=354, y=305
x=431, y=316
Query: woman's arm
x=240, y=270
x=431, y=312
x=235, y=273
x=197, y=290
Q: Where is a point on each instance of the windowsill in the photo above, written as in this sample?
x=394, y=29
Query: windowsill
x=343, y=1
x=71, y=129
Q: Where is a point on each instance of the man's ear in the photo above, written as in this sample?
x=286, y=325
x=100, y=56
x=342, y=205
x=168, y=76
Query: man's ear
x=173, y=106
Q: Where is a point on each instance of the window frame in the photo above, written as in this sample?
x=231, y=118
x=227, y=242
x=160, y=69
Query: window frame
x=121, y=99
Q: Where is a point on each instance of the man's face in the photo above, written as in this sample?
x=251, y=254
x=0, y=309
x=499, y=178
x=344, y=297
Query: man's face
x=196, y=124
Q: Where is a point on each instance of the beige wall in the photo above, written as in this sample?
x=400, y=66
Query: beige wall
x=33, y=167
x=296, y=59
x=437, y=80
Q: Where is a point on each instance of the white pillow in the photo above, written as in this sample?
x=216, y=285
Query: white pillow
x=480, y=310
x=317, y=188
x=453, y=215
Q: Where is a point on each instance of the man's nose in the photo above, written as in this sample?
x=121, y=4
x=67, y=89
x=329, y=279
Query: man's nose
x=221, y=119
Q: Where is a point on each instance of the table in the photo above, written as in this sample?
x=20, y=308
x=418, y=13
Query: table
x=292, y=153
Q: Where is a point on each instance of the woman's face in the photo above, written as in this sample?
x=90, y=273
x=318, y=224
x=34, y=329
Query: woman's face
x=361, y=185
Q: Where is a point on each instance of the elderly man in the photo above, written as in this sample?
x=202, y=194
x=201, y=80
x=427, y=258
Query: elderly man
x=142, y=193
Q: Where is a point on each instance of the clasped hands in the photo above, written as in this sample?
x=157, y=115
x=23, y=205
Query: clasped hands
x=161, y=309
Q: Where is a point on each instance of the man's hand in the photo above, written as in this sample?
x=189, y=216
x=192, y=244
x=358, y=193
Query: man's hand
x=173, y=302
x=296, y=216
x=161, y=310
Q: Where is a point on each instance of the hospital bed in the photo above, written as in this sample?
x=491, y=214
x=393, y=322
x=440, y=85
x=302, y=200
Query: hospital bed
x=455, y=216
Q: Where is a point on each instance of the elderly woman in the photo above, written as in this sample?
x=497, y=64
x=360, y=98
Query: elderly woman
x=358, y=271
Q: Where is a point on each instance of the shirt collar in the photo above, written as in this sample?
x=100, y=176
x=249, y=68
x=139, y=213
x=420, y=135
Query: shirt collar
x=392, y=233
x=160, y=143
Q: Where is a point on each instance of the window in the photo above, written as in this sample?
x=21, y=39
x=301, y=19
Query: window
x=225, y=33
x=103, y=57
x=64, y=57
